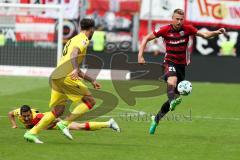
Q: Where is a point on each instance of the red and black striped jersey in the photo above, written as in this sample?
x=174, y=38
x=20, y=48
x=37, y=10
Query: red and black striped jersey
x=176, y=42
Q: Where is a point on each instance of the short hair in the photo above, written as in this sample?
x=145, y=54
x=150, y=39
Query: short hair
x=25, y=108
x=178, y=11
x=87, y=23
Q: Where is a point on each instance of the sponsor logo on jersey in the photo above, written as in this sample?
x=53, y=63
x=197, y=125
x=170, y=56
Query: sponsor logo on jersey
x=177, y=42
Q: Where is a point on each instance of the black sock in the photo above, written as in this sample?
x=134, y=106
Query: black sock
x=162, y=112
x=170, y=93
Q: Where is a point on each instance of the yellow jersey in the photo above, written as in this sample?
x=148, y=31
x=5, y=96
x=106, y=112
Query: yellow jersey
x=65, y=66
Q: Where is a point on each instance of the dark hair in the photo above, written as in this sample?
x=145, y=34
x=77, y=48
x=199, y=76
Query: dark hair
x=178, y=11
x=87, y=23
x=25, y=108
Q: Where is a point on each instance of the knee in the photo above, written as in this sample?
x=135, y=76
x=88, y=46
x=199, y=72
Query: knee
x=90, y=100
x=172, y=81
x=58, y=111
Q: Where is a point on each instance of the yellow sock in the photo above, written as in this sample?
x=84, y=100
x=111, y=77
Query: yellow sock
x=43, y=123
x=77, y=112
x=96, y=125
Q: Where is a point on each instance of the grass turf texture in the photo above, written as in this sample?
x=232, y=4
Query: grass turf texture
x=211, y=133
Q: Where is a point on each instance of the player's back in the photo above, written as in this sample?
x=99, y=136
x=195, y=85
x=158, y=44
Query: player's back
x=64, y=66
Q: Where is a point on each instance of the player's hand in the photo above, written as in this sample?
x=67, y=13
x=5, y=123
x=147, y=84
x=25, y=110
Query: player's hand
x=96, y=85
x=74, y=74
x=221, y=31
x=14, y=126
x=141, y=60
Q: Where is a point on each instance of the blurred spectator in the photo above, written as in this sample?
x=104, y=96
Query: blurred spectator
x=227, y=47
x=110, y=19
x=2, y=39
x=156, y=48
x=98, y=39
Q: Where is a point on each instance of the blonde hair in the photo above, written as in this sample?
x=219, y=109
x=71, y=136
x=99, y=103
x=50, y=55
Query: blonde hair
x=178, y=11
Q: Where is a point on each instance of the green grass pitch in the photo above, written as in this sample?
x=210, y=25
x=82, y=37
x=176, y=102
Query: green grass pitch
x=205, y=126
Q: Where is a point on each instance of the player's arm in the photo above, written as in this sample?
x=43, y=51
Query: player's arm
x=74, y=60
x=77, y=73
x=210, y=34
x=144, y=42
x=12, y=119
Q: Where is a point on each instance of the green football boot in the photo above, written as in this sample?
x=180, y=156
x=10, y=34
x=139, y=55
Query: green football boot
x=174, y=103
x=153, y=125
x=65, y=131
x=32, y=138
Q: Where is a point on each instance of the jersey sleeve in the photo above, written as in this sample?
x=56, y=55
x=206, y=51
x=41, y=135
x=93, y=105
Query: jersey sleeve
x=192, y=30
x=161, y=31
x=16, y=112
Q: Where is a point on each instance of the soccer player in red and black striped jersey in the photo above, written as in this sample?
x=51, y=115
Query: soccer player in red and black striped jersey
x=176, y=37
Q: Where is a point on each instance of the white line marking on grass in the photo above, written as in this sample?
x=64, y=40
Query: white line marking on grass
x=133, y=110
x=216, y=118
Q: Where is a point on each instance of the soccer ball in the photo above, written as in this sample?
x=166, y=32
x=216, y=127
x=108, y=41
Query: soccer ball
x=184, y=88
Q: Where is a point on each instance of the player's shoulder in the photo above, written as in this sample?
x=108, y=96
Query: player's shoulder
x=162, y=30
x=81, y=39
x=16, y=112
x=35, y=110
x=188, y=26
x=165, y=27
x=81, y=36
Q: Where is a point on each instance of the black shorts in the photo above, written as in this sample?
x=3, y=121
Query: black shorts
x=171, y=69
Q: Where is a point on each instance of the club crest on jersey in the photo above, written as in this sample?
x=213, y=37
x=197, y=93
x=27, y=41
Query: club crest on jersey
x=84, y=43
x=156, y=30
x=181, y=33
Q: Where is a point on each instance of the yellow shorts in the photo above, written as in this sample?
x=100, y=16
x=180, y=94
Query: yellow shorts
x=65, y=89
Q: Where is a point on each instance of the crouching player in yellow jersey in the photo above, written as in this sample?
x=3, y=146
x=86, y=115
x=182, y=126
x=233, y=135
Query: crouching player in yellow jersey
x=67, y=84
x=30, y=117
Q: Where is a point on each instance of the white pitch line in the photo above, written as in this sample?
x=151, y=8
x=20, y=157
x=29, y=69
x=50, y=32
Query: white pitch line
x=129, y=109
x=216, y=118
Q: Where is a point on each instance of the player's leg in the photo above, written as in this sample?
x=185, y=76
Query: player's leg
x=84, y=106
x=78, y=93
x=172, y=83
x=180, y=72
x=47, y=119
x=92, y=126
x=58, y=101
x=170, y=76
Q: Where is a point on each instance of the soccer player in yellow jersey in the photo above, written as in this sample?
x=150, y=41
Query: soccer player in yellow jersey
x=25, y=115
x=30, y=117
x=67, y=84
